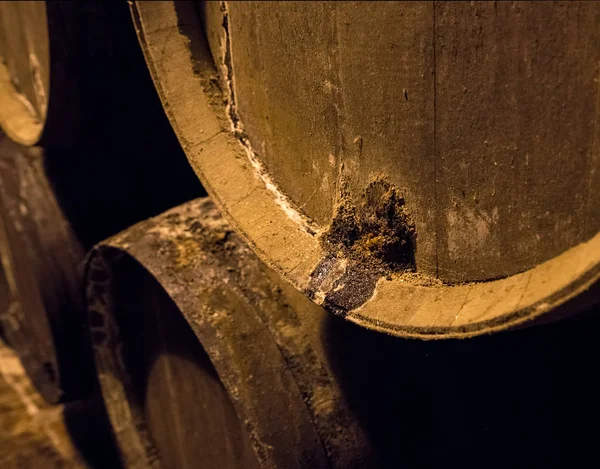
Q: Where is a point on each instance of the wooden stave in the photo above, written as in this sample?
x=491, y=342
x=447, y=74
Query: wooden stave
x=196, y=114
x=281, y=346
x=41, y=260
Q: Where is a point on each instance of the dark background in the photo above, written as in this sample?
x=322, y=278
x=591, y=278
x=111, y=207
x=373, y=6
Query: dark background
x=121, y=161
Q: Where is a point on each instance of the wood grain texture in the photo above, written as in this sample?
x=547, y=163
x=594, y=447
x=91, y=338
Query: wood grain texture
x=339, y=95
x=186, y=407
x=37, y=435
x=40, y=259
x=516, y=106
x=271, y=385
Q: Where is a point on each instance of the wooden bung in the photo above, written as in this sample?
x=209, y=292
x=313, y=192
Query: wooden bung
x=425, y=169
x=206, y=359
x=40, y=306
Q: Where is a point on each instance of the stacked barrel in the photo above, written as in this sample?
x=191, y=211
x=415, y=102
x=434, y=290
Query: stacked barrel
x=377, y=172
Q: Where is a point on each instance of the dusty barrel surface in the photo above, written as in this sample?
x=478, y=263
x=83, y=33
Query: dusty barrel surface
x=206, y=359
x=414, y=167
x=41, y=314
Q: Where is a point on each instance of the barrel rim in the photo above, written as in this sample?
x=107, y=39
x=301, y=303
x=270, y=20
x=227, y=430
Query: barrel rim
x=212, y=322
x=178, y=58
x=17, y=118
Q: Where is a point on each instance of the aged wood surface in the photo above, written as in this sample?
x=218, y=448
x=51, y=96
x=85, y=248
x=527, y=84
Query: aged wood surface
x=41, y=315
x=483, y=114
x=341, y=93
x=516, y=118
x=36, y=435
x=189, y=414
x=491, y=228
x=271, y=387
x=24, y=50
x=24, y=69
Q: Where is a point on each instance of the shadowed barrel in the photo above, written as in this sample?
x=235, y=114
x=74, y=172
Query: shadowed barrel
x=205, y=358
x=41, y=310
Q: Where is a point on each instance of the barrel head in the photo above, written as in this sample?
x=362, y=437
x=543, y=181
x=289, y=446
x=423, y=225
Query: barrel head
x=409, y=165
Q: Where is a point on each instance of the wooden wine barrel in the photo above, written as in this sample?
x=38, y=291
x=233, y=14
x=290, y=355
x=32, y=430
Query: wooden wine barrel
x=41, y=314
x=24, y=70
x=206, y=359
x=424, y=169
x=37, y=72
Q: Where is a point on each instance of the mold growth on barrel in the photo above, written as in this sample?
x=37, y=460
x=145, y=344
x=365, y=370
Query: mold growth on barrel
x=379, y=231
x=366, y=241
